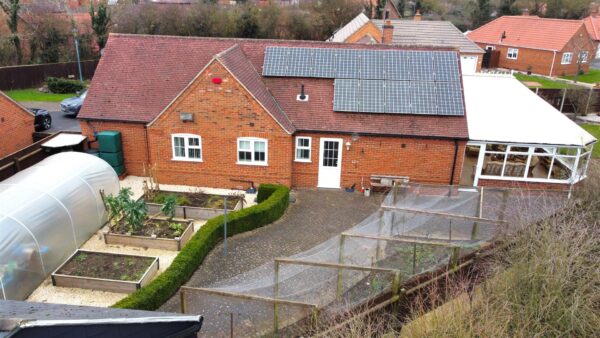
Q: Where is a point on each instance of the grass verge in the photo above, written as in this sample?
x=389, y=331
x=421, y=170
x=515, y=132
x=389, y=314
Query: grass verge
x=543, y=81
x=594, y=129
x=153, y=295
x=35, y=95
x=593, y=76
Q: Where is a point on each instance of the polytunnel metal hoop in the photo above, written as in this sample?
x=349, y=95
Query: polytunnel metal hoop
x=32, y=236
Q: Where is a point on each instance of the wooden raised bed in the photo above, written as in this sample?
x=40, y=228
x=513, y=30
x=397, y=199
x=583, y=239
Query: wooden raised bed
x=193, y=212
x=174, y=244
x=64, y=278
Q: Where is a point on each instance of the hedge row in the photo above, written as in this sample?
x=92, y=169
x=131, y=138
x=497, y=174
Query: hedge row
x=64, y=86
x=153, y=295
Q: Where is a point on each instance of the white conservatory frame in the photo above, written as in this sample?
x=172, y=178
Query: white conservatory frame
x=579, y=156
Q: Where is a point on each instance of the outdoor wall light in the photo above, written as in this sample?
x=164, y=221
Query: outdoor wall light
x=348, y=144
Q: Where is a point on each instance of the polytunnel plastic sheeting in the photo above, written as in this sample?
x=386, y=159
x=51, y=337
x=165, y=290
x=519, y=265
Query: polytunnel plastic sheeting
x=46, y=212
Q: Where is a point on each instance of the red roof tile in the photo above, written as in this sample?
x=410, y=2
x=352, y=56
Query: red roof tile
x=592, y=24
x=139, y=75
x=528, y=32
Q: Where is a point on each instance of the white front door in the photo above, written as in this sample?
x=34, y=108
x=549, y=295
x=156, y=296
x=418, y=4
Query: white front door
x=330, y=163
x=468, y=64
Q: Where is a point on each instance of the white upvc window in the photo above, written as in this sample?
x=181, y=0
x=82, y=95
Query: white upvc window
x=187, y=147
x=583, y=56
x=566, y=58
x=303, y=150
x=490, y=47
x=252, y=151
x=513, y=53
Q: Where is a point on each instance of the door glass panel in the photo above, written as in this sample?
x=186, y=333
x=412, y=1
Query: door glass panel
x=330, y=153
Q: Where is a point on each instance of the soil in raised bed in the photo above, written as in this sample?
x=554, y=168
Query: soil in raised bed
x=160, y=228
x=195, y=199
x=107, y=266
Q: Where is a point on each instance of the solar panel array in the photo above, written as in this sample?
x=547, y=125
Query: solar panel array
x=377, y=81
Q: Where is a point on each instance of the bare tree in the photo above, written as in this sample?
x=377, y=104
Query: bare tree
x=12, y=11
x=581, y=100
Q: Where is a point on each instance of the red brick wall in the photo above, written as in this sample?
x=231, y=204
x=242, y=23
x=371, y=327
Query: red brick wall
x=541, y=61
x=522, y=185
x=423, y=160
x=133, y=137
x=222, y=113
x=16, y=127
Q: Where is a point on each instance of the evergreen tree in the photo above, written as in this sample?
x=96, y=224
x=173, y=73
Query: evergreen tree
x=481, y=13
x=100, y=23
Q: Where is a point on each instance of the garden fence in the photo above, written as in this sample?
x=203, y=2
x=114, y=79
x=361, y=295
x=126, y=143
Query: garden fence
x=30, y=76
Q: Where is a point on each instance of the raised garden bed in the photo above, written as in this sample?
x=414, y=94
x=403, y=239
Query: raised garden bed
x=105, y=271
x=156, y=233
x=194, y=205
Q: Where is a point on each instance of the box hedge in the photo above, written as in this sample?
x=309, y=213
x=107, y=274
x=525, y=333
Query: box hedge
x=64, y=86
x=152, y=296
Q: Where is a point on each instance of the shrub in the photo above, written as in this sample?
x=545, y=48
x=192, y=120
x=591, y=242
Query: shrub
x=193, y=253
x=264, y=191
x=64, y=86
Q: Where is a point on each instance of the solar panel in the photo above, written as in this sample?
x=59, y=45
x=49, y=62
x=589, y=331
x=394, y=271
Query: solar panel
x=377, y=81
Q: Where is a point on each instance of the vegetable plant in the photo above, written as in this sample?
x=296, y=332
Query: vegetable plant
x=177, y=229
x=115, y=204
x=134, y=214
x=168, y=207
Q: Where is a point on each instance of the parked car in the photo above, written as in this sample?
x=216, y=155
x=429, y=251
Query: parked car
x=43, y=120
x=72, y=105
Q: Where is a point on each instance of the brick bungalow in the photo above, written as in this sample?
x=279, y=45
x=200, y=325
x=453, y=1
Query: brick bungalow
x=205, y=112
x=412, y=32
x=16, y=126
x=543, y=46
x=592, y=24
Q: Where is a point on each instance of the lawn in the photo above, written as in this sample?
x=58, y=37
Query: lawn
x=545, y=82
x=35, y=95
x=594, y=129
x=592, y=76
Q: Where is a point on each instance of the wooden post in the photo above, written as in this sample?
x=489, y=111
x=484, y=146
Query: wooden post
x=396, y=284
x=275, y=296
x=454, y=256
x=504, y=205
x=475, y=230
x=394, y=193
x=182, y=300
x=562, y=102
x=340, y=281
x=381, y=224
x=414, y=258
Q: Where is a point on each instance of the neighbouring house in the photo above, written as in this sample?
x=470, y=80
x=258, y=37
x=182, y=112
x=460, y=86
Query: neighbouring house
x=412, y=32
x=217, y=112
x=552, y=47
x=592, y=24
x=16, y=126
x=518, y=138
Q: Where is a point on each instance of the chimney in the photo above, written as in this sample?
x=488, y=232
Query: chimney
x=418, y=16
x=525, y=12
x=388, y=32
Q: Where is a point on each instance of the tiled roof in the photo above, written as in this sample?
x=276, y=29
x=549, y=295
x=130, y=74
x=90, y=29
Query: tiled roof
x=236, y=62
x=7, y=101
x=528, y=32
x=350, y=28
x=139, y=75
x=430, y=33
x=592, y=24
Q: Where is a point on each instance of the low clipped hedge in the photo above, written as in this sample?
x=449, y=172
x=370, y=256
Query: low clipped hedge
x=64, y=86
x=152, y=296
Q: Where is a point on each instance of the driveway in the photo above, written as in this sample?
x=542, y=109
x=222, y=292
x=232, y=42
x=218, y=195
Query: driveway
x=316, y=216
x=60, y=121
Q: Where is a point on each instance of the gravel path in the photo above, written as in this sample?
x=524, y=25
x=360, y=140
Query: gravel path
x=316, y=216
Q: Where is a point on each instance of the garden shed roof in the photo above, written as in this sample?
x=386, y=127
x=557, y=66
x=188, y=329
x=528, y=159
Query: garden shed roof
x=525, y=118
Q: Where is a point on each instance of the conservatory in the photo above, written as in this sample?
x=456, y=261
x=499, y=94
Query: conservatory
x=46, y=213
x=517, y=136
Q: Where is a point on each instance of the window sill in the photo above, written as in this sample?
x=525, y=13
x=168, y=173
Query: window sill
x=186, y=160
x=302, y=161
x=260, y=164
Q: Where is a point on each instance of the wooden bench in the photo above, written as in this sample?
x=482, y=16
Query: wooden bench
x=387, y=181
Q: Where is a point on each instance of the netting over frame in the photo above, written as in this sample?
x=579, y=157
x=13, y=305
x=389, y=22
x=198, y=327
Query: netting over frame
x=416, y=230
x=46, y=212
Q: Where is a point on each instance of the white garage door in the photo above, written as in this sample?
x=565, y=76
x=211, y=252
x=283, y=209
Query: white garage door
x=468, y=64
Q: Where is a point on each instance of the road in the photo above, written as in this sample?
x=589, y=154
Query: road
x=60, y=121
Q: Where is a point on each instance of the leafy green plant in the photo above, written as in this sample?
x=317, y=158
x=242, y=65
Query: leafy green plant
x=63, y=86
x=134, y=214
x=81, y=257
x=115, y=204
x=177, y=228
x=169, y=206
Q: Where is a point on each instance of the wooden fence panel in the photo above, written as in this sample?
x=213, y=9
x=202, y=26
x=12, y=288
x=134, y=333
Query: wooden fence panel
x=30, y=76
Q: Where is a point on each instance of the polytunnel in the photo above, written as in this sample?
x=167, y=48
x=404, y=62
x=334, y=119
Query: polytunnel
x=46, y=213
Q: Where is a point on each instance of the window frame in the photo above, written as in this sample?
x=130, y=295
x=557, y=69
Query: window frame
x=298, y=147
x=514, y=52
x=253, y=141
x=562, y=60
x=186, y=147
x=587, y=56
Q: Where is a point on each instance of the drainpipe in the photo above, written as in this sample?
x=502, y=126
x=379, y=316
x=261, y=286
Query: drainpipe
x=552, y=67
x=147, y=145
x=454, y=163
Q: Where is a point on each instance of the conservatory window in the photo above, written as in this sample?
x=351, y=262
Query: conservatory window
x=303, y=149
x=252, y=151
x=187, y=147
